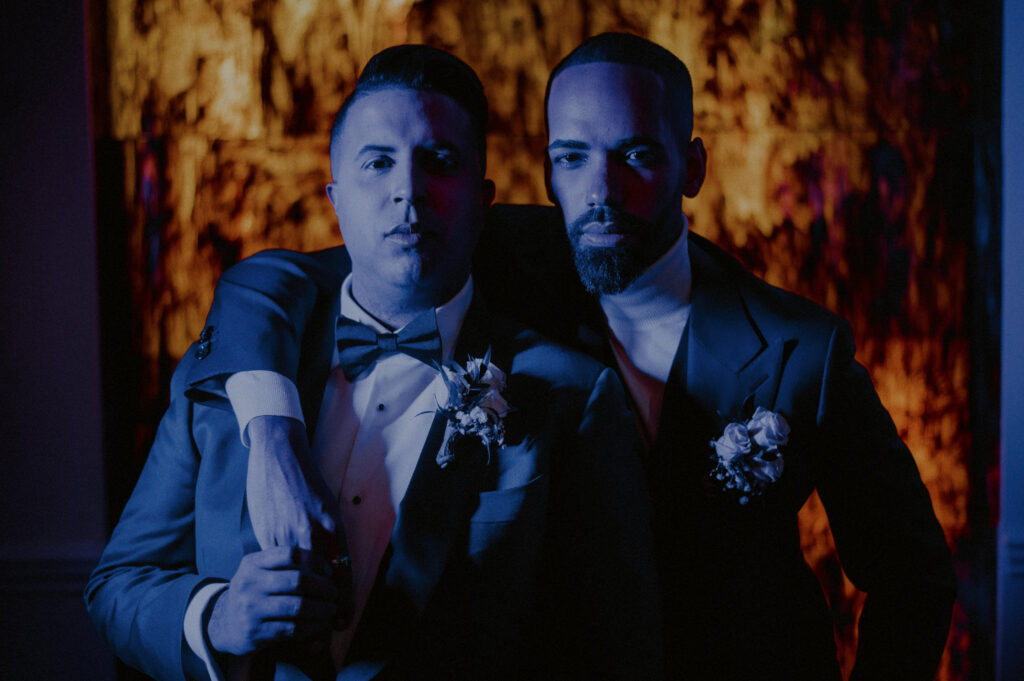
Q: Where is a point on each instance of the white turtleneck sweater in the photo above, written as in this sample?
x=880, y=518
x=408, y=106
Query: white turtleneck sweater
x=645, y=324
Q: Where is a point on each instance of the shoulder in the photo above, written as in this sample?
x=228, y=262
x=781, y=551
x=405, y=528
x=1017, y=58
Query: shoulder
x=326, y=268
x=777, y=312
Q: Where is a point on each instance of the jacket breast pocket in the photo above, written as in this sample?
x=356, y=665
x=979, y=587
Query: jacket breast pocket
x=505, y=518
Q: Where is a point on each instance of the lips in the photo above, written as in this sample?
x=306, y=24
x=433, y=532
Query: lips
x=409, y=234
x=604, y=234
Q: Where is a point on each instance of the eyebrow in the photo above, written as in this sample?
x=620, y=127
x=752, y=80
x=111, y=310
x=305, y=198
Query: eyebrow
x=638, y=140
x=568, y=144
x=375, y=148
x=443, y=145
x=635, y=140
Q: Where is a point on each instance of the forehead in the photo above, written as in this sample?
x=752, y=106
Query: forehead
x=606, y=98
x=399, y=117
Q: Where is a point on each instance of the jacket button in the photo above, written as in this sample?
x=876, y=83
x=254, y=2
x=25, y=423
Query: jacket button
x=202, y=350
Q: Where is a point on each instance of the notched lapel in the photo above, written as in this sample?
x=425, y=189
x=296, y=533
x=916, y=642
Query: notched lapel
x=758, y=382
x=731, y=366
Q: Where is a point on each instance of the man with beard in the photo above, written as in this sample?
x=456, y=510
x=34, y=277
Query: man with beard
x=480, y=484
x=748, y=397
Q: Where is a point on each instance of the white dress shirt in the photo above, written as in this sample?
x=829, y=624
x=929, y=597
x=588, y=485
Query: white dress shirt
x=646, y=323
x=367, y=443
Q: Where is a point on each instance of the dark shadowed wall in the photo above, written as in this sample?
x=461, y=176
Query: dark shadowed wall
x=52, y=522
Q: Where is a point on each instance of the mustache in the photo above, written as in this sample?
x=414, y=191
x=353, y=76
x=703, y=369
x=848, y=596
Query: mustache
x=620, y=221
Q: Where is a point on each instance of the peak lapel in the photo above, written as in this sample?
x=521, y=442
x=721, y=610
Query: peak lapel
x=317, y=350
x=435, y=512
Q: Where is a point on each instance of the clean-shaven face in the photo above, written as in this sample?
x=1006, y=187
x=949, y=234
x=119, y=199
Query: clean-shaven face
x=408, y=192
x=617, y=169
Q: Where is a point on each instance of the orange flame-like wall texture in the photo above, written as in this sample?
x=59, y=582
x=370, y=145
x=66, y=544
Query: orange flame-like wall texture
x=826, y=125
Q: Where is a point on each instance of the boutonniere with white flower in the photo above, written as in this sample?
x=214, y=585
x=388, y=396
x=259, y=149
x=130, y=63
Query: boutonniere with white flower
x=747, y=456
x=476, y=407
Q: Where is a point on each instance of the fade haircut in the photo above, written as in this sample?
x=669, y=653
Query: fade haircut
x=624, y=48
x=428, y=69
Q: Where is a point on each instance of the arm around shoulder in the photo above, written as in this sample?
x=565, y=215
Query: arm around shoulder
x=260, y=311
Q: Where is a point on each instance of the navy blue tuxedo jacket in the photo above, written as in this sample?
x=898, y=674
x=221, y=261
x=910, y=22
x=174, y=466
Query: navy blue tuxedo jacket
x=739, y=601
x=535, y=564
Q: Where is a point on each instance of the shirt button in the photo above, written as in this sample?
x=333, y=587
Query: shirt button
x=380, y=407
x=356, y=500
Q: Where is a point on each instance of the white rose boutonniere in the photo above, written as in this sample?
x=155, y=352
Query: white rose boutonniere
x=747, y=457
x=476, y=406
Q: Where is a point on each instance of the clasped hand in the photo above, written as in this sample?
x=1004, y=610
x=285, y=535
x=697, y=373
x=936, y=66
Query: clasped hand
x=281, y=593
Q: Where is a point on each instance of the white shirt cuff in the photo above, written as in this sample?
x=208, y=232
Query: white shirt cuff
x=194, y=634
x=262, y=393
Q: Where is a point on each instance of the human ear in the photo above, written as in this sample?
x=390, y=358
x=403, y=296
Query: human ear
x=696, y=167
x=547, y=180
x=487, y=193
x=331, y=189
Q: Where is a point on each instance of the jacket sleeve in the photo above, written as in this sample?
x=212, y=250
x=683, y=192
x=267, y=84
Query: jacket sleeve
x=138, y=594
x=260, y=310
x=889, y=541
x=607, y=613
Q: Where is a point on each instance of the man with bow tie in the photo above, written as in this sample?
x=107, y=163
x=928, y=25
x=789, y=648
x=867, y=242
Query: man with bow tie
x=479, y=507
x=749, y=398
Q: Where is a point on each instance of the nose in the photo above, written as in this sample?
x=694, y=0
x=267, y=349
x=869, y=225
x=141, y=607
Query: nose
x=605, y=187
x=408, y=184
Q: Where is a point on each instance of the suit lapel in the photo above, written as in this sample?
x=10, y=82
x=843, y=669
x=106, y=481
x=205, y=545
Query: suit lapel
x=435, y=512
x=730, y=366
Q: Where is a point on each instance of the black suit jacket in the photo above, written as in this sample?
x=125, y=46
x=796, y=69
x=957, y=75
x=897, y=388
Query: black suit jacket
x=739, y=600
x=533, y=563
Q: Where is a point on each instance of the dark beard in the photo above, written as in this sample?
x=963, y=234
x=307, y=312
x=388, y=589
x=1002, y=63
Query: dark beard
x=613, y=268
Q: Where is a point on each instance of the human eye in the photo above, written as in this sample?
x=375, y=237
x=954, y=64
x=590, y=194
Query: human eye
x=440, y=161
x=643, y=157
x=378, y=163
x=568, y=159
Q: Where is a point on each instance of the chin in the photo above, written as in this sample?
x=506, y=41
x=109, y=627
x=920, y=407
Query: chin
x=606, y=270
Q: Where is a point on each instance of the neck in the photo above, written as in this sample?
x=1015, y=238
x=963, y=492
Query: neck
x=396, y=306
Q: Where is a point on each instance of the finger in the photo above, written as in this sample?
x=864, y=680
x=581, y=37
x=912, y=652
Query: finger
x=300, y=582
x=286, y=630
x=274, y=558
x=294, y=608
x=312, y=630
x=324, y=520
x=306, y=559
x=299, y=534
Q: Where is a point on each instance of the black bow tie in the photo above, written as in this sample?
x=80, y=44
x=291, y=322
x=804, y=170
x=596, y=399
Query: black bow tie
x=359, y=346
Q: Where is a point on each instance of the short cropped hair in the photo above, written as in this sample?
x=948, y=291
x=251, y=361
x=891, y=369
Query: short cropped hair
x=428, y=69
x=624, y=48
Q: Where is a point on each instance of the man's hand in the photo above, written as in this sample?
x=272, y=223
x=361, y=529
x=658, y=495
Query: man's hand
x=275, y=595
x=289, y=503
